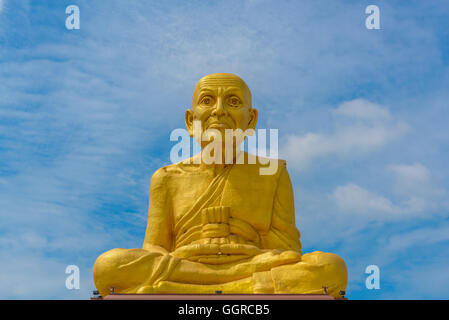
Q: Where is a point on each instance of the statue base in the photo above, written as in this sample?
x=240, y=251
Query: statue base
x=238, y=297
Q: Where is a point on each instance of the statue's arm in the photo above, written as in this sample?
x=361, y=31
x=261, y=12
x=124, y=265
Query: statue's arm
x=159, y=225
x=283, y=233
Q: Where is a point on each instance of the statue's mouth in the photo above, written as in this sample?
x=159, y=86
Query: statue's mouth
x=217, y=124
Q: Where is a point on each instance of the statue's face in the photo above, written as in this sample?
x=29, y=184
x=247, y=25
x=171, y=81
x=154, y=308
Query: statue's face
x=222, y=101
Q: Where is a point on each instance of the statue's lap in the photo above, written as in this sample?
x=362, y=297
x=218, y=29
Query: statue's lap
x=269, y=272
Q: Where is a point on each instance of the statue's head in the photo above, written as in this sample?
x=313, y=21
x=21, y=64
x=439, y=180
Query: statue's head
x=221, y=101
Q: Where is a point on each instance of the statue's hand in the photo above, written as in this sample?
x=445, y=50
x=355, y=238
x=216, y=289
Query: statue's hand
x=215, y=222
x=220, y=228
x=215, y=215
x=217, y=254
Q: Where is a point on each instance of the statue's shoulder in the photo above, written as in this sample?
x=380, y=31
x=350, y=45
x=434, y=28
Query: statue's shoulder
x=166, y=171
x=173, y=170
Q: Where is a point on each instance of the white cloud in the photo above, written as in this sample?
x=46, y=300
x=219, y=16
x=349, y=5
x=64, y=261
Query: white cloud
x=363, y=109
x=351, y=198
x=416, y=185
x=417, y=194
x=370, y=128
x=425, y=236
x=411, y=174
x=415, y=179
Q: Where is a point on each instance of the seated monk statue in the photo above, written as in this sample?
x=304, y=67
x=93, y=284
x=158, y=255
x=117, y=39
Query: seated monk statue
x=220, y=225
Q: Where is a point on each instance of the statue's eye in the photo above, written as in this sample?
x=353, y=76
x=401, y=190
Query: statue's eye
x=234, y=101
x=207, y=100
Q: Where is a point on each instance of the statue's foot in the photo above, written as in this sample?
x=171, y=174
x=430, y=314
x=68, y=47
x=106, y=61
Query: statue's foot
x=315, y=271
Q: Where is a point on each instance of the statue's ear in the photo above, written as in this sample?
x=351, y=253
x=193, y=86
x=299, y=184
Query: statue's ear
x=189, y=121
x=253, y=116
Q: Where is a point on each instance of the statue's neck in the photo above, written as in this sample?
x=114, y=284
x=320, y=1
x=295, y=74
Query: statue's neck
x=215, y=166
x=214, y=156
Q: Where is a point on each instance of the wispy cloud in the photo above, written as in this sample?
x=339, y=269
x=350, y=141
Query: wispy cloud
x=418, y=195
x=370, y=128
x=421, y=237
x=415, y=179
x=351, y=198
x=363, y=110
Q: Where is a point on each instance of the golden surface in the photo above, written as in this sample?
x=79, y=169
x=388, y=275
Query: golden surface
x=215, y=227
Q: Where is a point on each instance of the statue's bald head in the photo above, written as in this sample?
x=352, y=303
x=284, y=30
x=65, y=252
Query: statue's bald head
x=223, y=81
x=221, y=101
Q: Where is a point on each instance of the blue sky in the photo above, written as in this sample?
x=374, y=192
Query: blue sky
x=86, y=115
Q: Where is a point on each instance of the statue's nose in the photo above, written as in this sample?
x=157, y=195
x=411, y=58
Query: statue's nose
x=219, y=109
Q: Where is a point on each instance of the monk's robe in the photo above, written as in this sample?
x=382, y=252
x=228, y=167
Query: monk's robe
x=226, y=228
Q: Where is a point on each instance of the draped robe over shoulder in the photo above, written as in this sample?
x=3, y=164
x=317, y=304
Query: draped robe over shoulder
x=228, y=228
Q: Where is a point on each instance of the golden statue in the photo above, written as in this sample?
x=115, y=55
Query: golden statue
x=220, y=227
